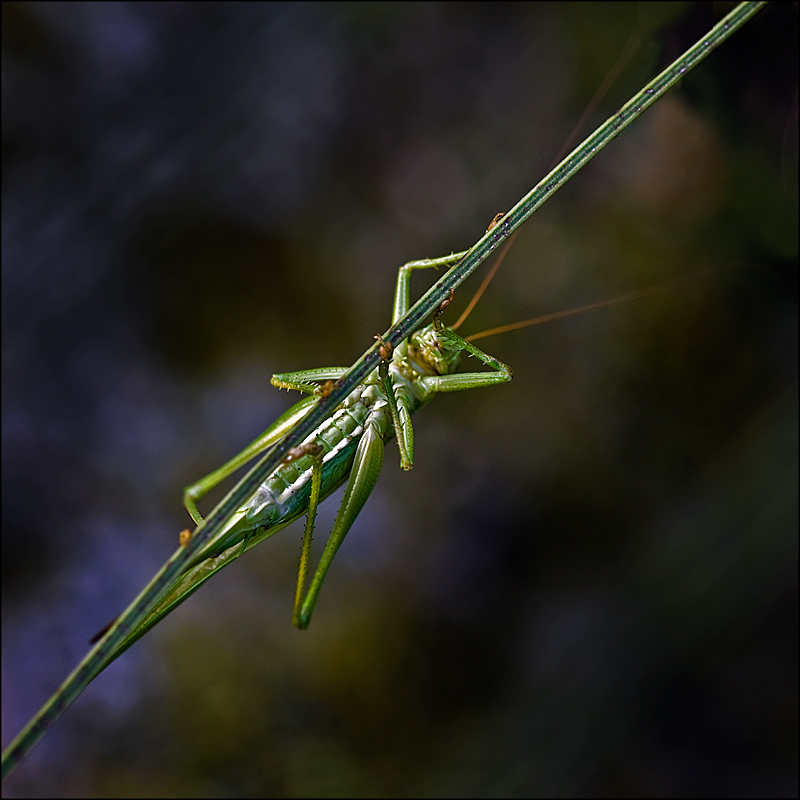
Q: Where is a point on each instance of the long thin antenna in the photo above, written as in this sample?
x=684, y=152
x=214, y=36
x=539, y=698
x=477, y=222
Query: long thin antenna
x=624, y=57
x=526, y=323
x=485, y=282
x=631, y=46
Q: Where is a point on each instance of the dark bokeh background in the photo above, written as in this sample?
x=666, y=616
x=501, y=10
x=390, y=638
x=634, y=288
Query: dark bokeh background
x=587, y=585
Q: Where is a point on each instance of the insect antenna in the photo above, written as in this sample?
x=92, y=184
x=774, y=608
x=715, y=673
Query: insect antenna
x=526, y=323
x=485, y=282
x=624, y=57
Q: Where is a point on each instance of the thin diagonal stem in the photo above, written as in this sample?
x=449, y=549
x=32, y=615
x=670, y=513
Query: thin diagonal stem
x=117, y=637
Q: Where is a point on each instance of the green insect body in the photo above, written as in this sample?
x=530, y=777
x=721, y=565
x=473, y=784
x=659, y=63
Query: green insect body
x=348, y=446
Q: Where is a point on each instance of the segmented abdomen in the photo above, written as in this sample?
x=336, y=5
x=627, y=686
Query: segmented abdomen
x=284, y=494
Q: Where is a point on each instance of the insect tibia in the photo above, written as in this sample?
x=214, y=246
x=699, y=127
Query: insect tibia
x=309, y=388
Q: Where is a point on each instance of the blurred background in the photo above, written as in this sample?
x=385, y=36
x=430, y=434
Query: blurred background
x=587, y=585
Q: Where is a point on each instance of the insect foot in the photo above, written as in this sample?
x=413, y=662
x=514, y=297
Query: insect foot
x=437, y=322
x=494, y=222
x=308, y=449
x=386, y=349
x=324, y=389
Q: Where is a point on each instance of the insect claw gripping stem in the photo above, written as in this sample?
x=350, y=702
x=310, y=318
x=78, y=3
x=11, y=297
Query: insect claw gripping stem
x=325, y=388
x=385, y=350
x=437, y=315
x=497, y=218
x=308, y=449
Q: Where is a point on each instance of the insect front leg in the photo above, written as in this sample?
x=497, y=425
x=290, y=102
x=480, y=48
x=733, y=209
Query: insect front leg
x=501, y=373
x=272, y=435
